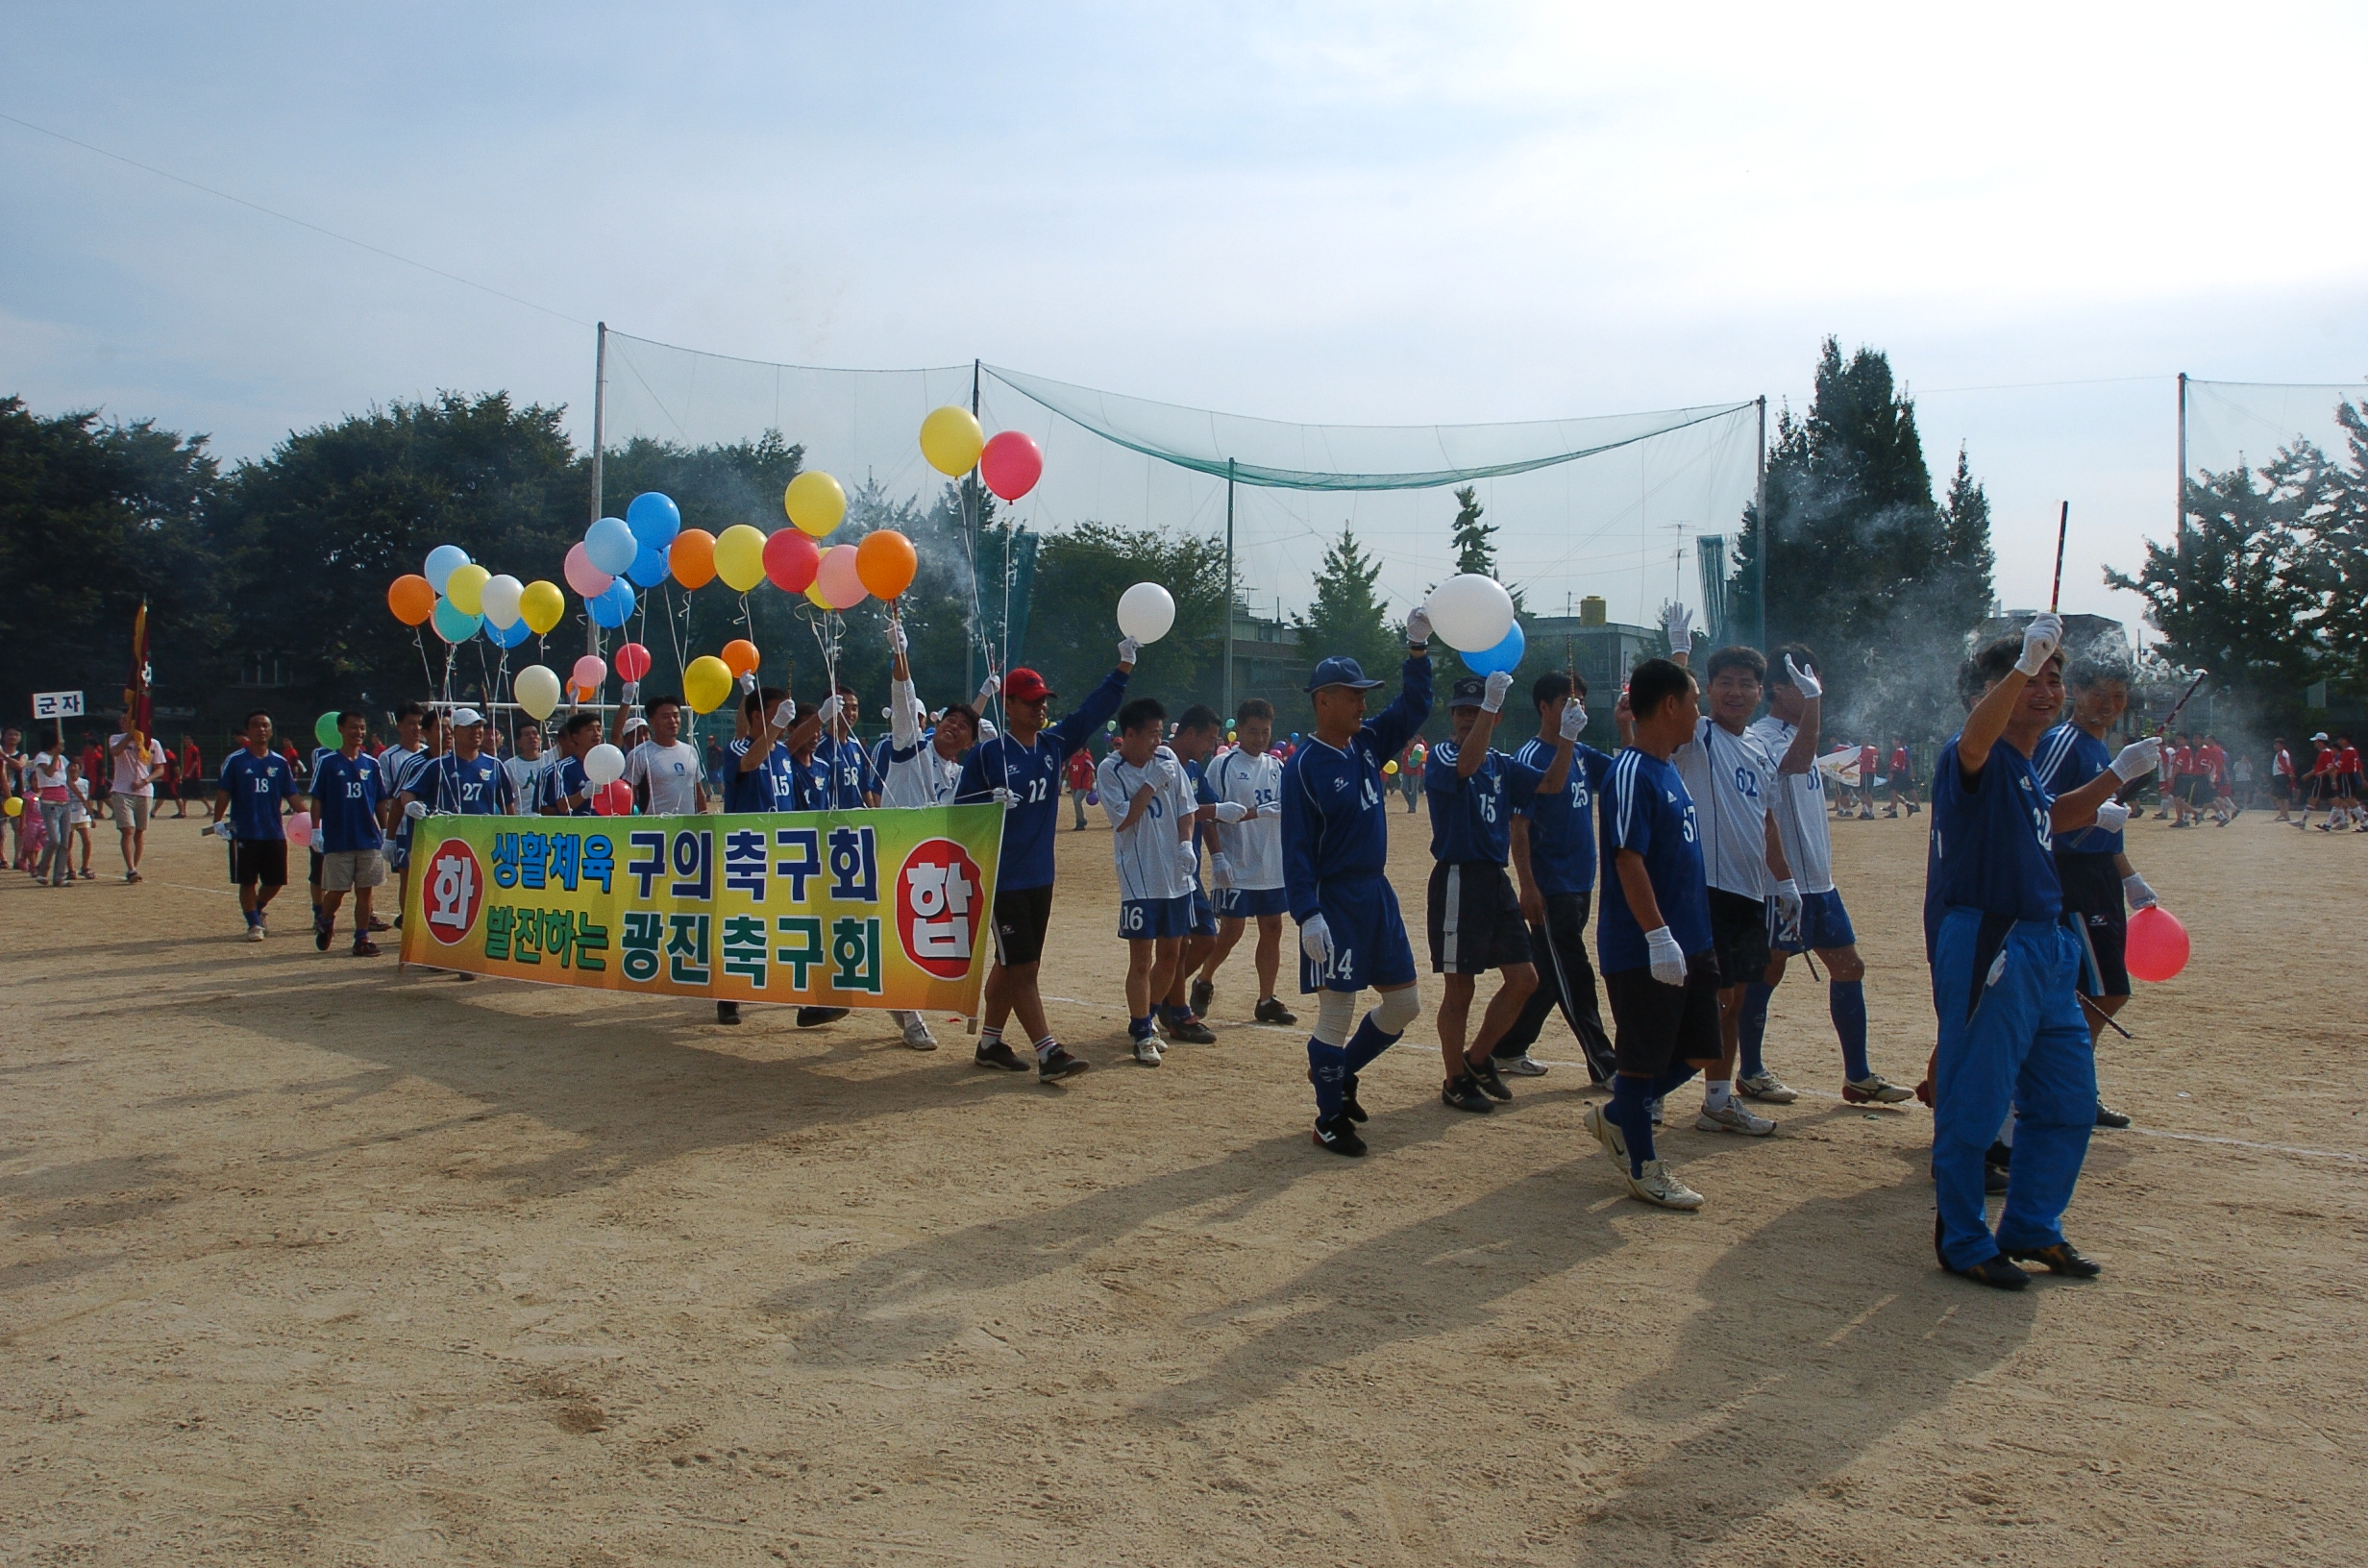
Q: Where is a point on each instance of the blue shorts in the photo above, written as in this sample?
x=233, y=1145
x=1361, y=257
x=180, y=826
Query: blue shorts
x=1370, y=947
x=1242, y=903
x=1150, y=919
x=1824, y=924
x=1203, y=917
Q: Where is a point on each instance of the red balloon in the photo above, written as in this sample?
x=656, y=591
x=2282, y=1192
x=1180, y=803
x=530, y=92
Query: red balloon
x=1010, y=464
x=632, y=661
x=614, y=798
x=2156, y=948
x=791, y=559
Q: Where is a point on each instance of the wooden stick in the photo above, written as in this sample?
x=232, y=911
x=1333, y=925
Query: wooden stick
x=2063, y=526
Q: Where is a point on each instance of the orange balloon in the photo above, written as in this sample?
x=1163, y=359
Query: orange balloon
x=692, y=557
x=411, y=598
x=740, y=656
x=886, y=563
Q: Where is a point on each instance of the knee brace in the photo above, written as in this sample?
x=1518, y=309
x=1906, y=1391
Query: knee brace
x=1398, y=1009
x=1336, y=1012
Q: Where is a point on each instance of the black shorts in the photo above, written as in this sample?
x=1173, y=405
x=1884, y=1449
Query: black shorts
x=314, y=879
x=2092, y=897
x=1738, y=937
x=1020, y=915
x=259, y=859
x=1476, y=919
x=1654, y=1025
x=2195, y=788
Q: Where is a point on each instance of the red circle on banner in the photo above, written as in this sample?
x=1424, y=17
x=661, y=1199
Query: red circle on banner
x=451, y=892
x=939, y=907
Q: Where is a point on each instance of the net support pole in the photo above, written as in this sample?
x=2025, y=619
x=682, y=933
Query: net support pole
x=2180, y=493
x=600, y=409
x=1224, y=637
x=969, y=644
x=1759, y=509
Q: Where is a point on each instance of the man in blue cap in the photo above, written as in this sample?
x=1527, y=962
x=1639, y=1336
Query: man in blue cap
x=1336, y=851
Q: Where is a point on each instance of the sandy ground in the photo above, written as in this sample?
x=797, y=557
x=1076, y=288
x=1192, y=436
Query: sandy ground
x=311, y=1262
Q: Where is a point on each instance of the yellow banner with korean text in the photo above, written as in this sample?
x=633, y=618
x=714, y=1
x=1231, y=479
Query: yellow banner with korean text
x=879, y=909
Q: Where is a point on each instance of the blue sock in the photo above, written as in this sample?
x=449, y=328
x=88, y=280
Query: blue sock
x=1656, y=1089
x=1137, y=1028
x=1754, y=1027
x=1629, y=1114
x=1366, y=1044
x=1846, y=999
x=1326, y=1066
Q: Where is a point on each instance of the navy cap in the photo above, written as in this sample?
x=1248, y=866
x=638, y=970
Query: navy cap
x=1469, y=693
x=1338, y=671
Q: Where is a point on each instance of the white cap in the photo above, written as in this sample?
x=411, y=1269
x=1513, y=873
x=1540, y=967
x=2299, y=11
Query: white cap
x=2320, y=736
x=467, y=716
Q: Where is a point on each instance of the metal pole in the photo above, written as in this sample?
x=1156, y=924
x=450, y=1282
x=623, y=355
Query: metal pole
x=2181, y=514
x=969, y=647
x=1225, y=637
x=599, y=412
x=1759, y=508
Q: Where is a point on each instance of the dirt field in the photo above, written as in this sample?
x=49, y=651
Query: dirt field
x=311, y=1263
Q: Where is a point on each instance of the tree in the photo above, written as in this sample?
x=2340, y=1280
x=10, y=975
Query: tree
x=1071, y=637
x=1475, y=541
x=1347, y=618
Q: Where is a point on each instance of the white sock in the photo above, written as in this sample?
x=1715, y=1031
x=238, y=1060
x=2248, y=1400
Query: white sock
x=1046, y=1048
x=1716, y=1094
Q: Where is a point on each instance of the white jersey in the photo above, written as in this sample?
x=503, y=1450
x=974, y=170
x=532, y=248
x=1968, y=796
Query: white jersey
x=672, y=774
x=1798, y=800
x=1253, y=849
x=1150, y=854
x=526, y=775
x=1726, y=776
x=917, y=777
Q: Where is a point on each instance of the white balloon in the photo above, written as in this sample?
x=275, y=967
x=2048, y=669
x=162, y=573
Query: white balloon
x=603, y=764
x=537, y=690
x=610, y=546
x=1470, y=613
x=1145, y=612
x=501, y=600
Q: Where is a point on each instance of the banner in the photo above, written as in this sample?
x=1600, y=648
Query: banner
x=877, y=909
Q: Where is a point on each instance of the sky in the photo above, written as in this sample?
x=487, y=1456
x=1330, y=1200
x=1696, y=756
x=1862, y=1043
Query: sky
x=1345, y=213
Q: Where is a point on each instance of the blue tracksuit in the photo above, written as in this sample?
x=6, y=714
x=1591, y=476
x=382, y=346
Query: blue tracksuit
x=1336, y=844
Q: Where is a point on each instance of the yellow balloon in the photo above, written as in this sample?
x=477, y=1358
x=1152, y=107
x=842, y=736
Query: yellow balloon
x=16, y=805
x=706, y=683
x=952, y=440
x=740, y=557
x=814, y=596
x=466, y=588
x=815, y=503
x=540, y=605
x=1390, y=768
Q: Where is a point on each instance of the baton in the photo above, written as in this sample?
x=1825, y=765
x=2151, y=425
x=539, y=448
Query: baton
x=2106, y=1016
x=2124, y=794
x=2063, y=526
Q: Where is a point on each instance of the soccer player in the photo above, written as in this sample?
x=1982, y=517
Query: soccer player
x=1020, y=769
x=1869, y=763
x=760, y=770
x=2348, y=782
x=1080, y=785
x=1903, y=781
x=255, y=781
x=2319, y=786
x=565, y=789
x=664, y=768
x=1553, y=846
x=926, y=769
x=418, y=731
x=349, y=787
x=1245, y=871
x=2224, y=806
x=1336, y=852
x=465, y=781
x=839, y=776
x=2006, y=969
x=1150, y=803
x=525, y=763
x=1183, y=1014
x=1820, y=924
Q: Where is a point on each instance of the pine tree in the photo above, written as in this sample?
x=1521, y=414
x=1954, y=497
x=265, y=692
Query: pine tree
x=1965, y=543
x=1348, y=616
x=1475, y=541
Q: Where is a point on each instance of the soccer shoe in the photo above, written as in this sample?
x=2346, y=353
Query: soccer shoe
x=1767, y=1087
x=1484, y=1073
x=1657, y=1186
x=1272, y=1011
x=809, y=1016
x=1349, y=1106
x=1187, y=1030
x=1464, y=1094
x=1608, y=1133
x=999, y=1055
x=1652, y=1108
x=1732, y=1118
x=1994, y=1271
x=1198, y=998
x=377, y=925
x=1874, y=1090
x=917, y=1035
x=1147, y=1050
x=1994, y=1180
x=1339, y=1135
x=1057, y=1064
x=2001, y=1155
x=255, y=932
x=2107, y=1116
x=728, y=1012
x=364, y=947
x=322, y=931
x=1520, y=1066
x=2063, y=1258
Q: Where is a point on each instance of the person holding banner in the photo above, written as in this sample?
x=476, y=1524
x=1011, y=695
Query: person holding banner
x=761, y=773
x=416, y=731
x=138, y=759
x=924, y=770
x=564, y=789
x=665, y=768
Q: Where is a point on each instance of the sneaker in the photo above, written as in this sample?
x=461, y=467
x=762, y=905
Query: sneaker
x=322, y=931
x=1059, y=1064
x=88, y=875
x=1272, y=1011
x=378, y=926
x=1652, y=1108
x=1147, y=1049
x=364, y=947
x=255, y=933
x=728, y=1012
x=1608, y=1133
x=2108, y=1118
x=1349, y=1106
x=1464, y=1094
x=1484, y=1073
x=1520, y=1066
x=1187, y=1030
x=1732, y=1118
x=1198, y=998
x=809, y=1016
x=1657, y=1186
x=1994, y=1180
x=2001, y=1155
x=999, y=1055
x=917, y=1034
x=2063, y=1258
x=1874, y=1090
x=1996, y=1272
x=1339, y=1135
x=1766, y=1086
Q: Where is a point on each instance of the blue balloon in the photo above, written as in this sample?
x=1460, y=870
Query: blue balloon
x=1505, y=657
x=649, y=568
x=655, y=520
x=454, y=626
x=610, y=546
x=510, y=636
x=442, y=562
x=611, y=609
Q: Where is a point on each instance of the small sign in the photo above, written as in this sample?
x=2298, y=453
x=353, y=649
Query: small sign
x=57, y=704
x=2314, y=695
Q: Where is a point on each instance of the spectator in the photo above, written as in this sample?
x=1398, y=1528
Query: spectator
x=1080, y=782
x=78, y=811
x=192, y=774
x=46, y=779
x=138, y=759
x=100, y=772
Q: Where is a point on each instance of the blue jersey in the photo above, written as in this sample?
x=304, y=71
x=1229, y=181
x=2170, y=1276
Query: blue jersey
x=1333, y=824
x=770, y=786
x=1992, y=849
x=2068, y=757
x=1032, y=774
x=348, y=792
x=1471, y=819
x=1562, y=824
x=1645, y=808
x=256, y=786
x=561, y=777
x=478, y=787
x=839, y=776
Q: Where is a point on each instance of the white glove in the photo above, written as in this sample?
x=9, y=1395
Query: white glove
x=415, y=809
x=1787, y=896
x=631, y=692
x=1230, y=812
x=2137, y=759
x=2040, y=639
x=829, y=710
x=1668, y=959
x=1678, y=622
x=221, y=830
x=1805, y=680
x=2113, y=817
x=1419, y=628
x=787, y=714
x=1129, y=650
x=896, y=638
x=1002, y=797
x=987, y=689
x=1189, y=853
x=1220, y=871
x=1575, y=720
x=748, y=683
x=1316, y=939
x=2134, y=889
x=1492, y=699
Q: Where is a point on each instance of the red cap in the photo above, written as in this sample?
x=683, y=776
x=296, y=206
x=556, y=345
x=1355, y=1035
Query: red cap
x=1026, y=685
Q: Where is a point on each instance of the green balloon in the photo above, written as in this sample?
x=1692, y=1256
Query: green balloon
x=325, y=730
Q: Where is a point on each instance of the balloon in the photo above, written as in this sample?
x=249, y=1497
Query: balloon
x=1010, y=464
x=466, y=587
x=2156, y=947
x=885, y=561
x=537, y=691
x=442, y=562
x=815, y=503
x=614, y=607
x=590, y=674
x=582, y=575
x=655, y=518
x=740, y=656
x=692, y=556
x=1390, y=768
x=1506, y=655
x=740, y=557
x=706, y=683
x=815, y=595
x=649, y=567
x=1145, y=612
x=452, y=625
x=632, y=661
x=300, y=828
x=614, y=798
x=16, y=805
x=1470, y=612
x=411, y=598
x=510, y=636
x=603, y=764
x=841, y=586
x=1093, y=798
x=610, y=546
x=790, y=560
x=325, y=730
x=540, y=605
x=950, y=440
x=500, y=598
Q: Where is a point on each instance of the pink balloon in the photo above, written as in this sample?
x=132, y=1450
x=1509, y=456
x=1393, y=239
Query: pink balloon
x=300, y=829
x=841, y=586
x=2156, y=946
x=589, y=674
x=582, y=575
x=1010, y=464
x=632, y=661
